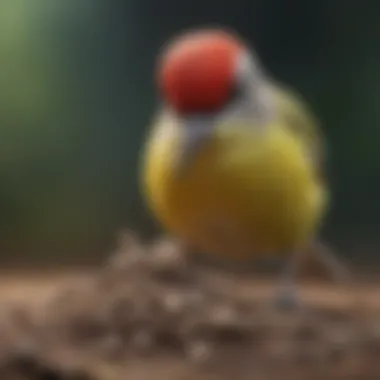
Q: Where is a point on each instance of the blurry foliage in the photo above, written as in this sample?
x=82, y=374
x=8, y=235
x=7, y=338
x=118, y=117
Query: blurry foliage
x=77, y=96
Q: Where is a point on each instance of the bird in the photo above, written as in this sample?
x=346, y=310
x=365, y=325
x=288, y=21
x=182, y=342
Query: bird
x=234, y=161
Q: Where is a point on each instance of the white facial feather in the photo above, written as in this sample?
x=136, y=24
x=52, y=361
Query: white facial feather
x=254, y=100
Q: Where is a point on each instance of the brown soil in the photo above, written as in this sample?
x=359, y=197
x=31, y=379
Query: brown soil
x=150, y=312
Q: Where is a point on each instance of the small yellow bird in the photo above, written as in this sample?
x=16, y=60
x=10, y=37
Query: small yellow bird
x=233, y=161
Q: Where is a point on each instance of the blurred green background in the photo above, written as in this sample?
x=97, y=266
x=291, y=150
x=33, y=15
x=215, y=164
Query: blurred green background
x=77, y=95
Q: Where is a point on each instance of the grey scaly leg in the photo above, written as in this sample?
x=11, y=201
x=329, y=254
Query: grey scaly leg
x=287, y=297
x=340, y=273
x=338, y=270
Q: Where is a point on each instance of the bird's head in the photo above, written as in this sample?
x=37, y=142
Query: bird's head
x=201, y=75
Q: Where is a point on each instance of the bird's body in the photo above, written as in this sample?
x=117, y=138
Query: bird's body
x=250, y=192
x=233, y=162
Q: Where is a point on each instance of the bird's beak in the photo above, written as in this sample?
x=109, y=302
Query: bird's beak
x=196, y=133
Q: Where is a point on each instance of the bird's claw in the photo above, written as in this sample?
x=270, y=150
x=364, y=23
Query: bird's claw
x=287, y=301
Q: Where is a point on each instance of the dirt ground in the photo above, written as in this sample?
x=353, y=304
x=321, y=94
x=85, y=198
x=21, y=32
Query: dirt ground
x=150, y=312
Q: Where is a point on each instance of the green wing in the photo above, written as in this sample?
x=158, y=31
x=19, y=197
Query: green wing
x=301, y=121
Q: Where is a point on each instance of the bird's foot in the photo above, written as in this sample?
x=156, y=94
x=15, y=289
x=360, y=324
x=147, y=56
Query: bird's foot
x=287, y=300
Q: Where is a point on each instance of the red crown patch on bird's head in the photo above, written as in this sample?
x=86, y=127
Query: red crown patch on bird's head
x=196, y=72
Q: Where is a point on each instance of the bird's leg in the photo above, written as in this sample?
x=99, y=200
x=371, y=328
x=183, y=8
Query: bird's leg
x=338, y=270
x=287, y=297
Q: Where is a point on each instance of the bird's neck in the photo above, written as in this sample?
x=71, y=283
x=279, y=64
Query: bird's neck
x=261, y=102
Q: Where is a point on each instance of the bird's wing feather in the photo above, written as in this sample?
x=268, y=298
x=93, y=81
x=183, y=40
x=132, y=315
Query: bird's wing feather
x=301, y=121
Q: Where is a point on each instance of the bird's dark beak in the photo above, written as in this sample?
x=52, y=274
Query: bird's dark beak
x=196, y=133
